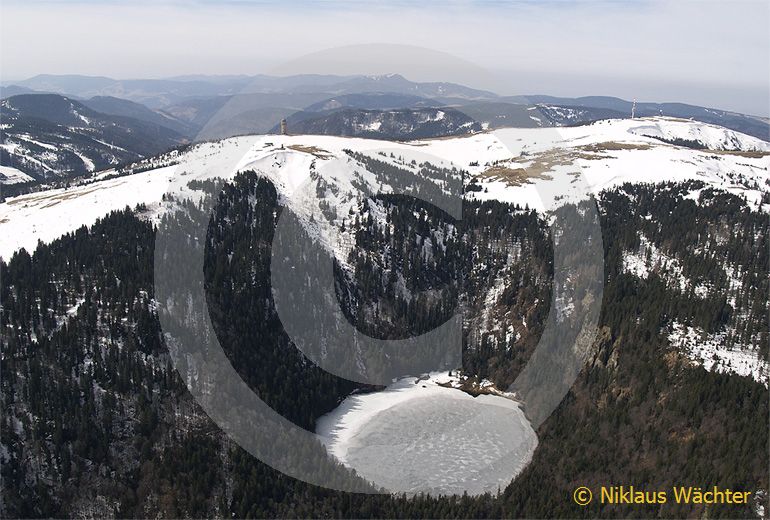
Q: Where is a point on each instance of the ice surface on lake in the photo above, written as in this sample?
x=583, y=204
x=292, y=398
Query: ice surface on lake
x=417, y=436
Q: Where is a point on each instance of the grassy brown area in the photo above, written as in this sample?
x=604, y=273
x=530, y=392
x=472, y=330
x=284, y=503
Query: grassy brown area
x=544, y=162
x=739, y=153
x=313, y=150
x=613, y=146
x=513, y=176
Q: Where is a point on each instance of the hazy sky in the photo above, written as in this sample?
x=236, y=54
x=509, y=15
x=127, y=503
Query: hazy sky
x=706, y=52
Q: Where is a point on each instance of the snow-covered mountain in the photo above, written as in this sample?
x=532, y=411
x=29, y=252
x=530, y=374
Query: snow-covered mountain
x=684, y=236
x=195, y=99
x=365, y=116
x=10, y=175
x=48, y=136
x=566, y=115
x=704, y=136
x=403, y=124
x=751, y=125
x=512, y=165
x=122, y=107
x=321, y=178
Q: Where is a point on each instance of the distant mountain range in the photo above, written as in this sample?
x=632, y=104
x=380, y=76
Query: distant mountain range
x=191, y=101
x=399, y=124
x=122, y=107
x=62, y=126
x=160, y=93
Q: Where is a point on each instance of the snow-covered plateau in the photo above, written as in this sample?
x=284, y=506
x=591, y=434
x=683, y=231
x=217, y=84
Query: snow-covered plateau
x=419, y=436
x=516, y=165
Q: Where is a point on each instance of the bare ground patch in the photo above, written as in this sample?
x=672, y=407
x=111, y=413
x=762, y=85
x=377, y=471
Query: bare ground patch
x=513, y=176
x=740, y=153
x=313, y=150
x=540, y=164
x=612, y=146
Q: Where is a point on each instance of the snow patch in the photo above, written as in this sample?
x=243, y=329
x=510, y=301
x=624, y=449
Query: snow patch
x=710, y=351
x=10, y=175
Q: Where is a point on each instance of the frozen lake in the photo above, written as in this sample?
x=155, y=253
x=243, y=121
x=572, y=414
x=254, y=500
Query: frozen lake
x=417, y=436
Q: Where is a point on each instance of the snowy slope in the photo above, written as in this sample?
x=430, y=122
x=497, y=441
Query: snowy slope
x=713, y=353
x=717, y=351
x=49, y=136
x=49, y=214
x=708, y=136
x=9, y=175
x=512, y=165
x=320, y=180
x=612, y=152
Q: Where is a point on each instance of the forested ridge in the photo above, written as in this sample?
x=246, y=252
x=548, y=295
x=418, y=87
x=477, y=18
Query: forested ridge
x=97, y=422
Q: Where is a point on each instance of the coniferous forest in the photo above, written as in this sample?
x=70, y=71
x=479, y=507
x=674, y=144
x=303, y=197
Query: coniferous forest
x=97, y=422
